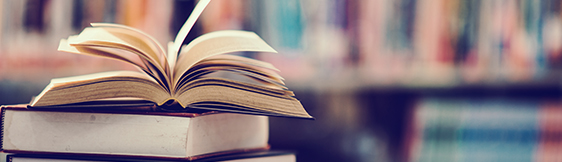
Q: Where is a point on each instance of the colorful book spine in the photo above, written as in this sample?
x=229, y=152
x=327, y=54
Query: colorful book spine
x=498, y=130
x=474, y=130
x=550, y=141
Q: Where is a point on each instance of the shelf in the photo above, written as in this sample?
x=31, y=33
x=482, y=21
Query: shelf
x=549, y=84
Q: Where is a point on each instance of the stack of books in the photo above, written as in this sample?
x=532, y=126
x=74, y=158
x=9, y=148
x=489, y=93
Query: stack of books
x=193, y=103
x=93, y=135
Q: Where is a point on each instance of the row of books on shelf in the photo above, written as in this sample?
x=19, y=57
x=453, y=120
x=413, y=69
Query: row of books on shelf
x=414, y=42
x=485, y=130
x=443, y=42
x=455, y=41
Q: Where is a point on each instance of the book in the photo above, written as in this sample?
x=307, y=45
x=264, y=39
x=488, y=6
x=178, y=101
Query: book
x=152, y=134
x=498, y=130
x=474, y=130
x=550, y=127
x=270, y=156
x=192, y=76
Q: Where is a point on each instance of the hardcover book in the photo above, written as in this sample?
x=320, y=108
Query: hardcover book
x=180, y=136
x=259, y=156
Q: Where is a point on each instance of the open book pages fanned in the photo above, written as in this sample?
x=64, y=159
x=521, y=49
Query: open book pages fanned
x=199, y=75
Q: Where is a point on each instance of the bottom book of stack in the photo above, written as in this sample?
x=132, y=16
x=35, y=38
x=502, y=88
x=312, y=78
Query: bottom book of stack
x=41, y=135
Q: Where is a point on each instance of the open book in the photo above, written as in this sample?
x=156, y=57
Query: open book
x=190, y=76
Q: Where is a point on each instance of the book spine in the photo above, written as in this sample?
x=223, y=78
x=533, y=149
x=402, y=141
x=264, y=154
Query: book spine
x=550, y=143
x=438, y=131
x=475, y=130
x=2, y=114
x=3, y=109
x=498, y=131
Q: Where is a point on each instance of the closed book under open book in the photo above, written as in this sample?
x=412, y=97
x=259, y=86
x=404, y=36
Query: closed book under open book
x=185, y=136
x=258, y=156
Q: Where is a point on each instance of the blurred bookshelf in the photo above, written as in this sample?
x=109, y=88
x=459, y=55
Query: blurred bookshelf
x=362, y=68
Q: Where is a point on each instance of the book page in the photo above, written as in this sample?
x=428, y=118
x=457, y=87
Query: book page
x=215, y=43
x=116, y=38
x=184, y=30
x=127, y=40
x=245, y=60
x=233, y=70
x=58, y=82
x=97, y=86
x=149, y=42
x=132, y=59
x=172, y=58
x=241, y=98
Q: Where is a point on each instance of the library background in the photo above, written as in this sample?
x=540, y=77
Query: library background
x=386, y=80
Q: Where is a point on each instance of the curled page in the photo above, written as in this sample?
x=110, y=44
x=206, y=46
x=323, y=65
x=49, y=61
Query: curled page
x=180, y=37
